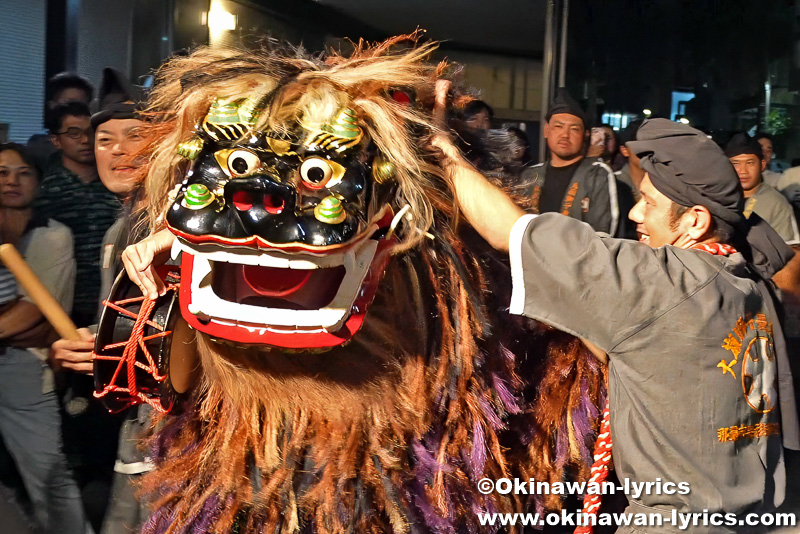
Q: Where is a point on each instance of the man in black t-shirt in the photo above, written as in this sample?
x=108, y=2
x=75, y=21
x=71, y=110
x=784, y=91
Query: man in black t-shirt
x=569, y=183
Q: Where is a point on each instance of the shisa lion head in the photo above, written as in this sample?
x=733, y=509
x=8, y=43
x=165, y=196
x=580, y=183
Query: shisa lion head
x=299, y=180
x=286, y=213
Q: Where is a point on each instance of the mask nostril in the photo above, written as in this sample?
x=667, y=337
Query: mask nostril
x=242, y=201
x=273, y=204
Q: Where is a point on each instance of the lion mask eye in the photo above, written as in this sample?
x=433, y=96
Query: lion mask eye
x=317, y=173
x=238, y=162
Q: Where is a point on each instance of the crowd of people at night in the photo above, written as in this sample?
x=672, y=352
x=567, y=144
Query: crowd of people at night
x=71, y=201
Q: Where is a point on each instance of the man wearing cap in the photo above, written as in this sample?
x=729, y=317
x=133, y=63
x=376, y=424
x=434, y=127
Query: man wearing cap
x=761, y=198
x=89, y=206
x=699, y=388
x=117, y=145
x=569, y=183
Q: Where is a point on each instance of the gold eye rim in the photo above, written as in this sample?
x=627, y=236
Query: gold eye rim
x=225, y=159
x=333, y=172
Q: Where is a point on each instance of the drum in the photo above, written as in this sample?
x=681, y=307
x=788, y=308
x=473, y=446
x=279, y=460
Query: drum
x=133, y=345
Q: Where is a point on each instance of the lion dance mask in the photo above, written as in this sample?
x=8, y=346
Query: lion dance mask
x=354, y=374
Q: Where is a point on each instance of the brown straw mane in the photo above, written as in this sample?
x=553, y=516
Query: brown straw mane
x=392, y=431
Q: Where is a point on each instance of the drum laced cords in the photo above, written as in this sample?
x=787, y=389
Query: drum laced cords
x=136, y=342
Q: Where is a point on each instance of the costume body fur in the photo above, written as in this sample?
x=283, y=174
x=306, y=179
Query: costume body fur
x=392, y=431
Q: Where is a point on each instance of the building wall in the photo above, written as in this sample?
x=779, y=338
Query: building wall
x=104, y=33
x=22, y=41
x=511, y=85
x=252, y=25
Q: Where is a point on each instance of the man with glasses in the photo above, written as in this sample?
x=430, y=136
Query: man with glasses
x=62, y=88
x=72, y=193
x=72, y=136
x=117, y=125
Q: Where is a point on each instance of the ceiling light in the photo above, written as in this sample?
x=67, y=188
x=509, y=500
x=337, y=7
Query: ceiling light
x=221, y=20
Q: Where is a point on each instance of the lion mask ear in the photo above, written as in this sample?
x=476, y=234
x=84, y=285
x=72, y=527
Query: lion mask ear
x=339, y=134
x=383, y=170
x=231, y=119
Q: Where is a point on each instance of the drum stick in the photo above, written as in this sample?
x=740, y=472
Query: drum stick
x=46, y=303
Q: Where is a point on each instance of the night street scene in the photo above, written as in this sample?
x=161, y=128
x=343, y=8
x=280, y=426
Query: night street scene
x=441, y=267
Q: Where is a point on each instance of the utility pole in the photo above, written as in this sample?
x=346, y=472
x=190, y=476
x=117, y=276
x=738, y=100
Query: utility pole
x=547, y=71
x=562, y=63
x=555, y=42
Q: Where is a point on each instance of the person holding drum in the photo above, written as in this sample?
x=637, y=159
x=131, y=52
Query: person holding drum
x=117, y=145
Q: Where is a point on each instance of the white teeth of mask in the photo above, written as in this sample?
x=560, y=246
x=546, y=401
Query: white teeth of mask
x=205, y=302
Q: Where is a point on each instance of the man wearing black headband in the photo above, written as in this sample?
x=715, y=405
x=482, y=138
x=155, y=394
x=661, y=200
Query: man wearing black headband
x=118, y=144
x=569, y=183
x=761, y=198
x=699, y=384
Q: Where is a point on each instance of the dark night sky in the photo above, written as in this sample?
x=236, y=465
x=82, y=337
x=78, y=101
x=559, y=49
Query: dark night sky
x=637, y=48
x=513, y=26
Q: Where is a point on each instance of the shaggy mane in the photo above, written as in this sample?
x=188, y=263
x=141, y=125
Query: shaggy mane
x=393, y=431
